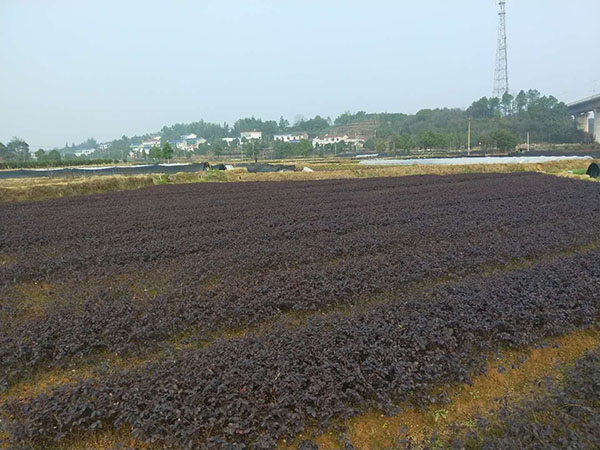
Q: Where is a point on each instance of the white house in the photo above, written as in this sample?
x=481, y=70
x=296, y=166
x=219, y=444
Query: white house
x=86, y=152
x=251, y=135
x=145, y=146
x=327, y=140
x=189, y=142
x=357, y=142
x=229, y=140
x=291, y=137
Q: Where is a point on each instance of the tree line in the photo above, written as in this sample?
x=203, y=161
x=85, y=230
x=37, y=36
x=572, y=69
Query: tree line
x=496, y=123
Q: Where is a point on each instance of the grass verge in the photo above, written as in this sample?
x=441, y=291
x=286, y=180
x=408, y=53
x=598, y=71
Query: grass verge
x=34, y=189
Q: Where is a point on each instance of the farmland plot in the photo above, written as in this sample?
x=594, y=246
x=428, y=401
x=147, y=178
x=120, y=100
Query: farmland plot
x=249, y=313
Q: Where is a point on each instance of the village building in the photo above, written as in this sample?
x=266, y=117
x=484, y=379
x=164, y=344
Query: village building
x=85, y=152
x=188, y=142
x=145, y=146
x=291, y=137
x=335, y=139
x=251, y=135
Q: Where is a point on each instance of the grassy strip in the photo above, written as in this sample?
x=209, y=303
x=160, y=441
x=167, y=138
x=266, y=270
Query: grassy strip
x=25, y=189
x=33, y=189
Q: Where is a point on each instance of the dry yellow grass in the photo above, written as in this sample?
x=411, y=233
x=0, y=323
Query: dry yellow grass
x=32, y=189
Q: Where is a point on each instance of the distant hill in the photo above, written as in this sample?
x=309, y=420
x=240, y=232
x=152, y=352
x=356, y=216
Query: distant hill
x=509, y=120
x=359, y=129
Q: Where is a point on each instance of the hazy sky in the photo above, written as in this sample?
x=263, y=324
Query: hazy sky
x=71, y=69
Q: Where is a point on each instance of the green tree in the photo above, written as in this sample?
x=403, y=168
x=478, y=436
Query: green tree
x=504, y=140
x=507, y=102
x=304, y=148
x=344, y=119
x=520, y=102
x=249, y=124
x=18, y=149
x=40, y=154
x=282, y=149
x=403, y=142
x=218, y=147
x=167, y=151
x=202, y=149
x=283, y=124
x=155, y=152
x=312, y=126
x=53, y=155
x=532, y=95
x=204, y=129
x=494, y=106
x=381, y=146
x=426, y=139
x=480, y=108
x=119, y=148
x=369, y=144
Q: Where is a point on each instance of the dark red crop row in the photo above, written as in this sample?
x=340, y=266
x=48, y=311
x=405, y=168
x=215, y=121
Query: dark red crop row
x=254, y=390
x=565, y=415
x=239, y=254
x=249, y=226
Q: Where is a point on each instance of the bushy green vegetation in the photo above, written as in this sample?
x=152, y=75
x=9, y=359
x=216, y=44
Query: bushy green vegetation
x=164, y=152
x=496, y=123
x=209, y=131
x=89, y=143
x=16, y=149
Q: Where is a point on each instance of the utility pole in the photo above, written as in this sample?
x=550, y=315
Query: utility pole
x=528, y=142
x=469, y=139
x=501, y=72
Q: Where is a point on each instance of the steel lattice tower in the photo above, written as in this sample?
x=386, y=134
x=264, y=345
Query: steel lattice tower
x=501, y=73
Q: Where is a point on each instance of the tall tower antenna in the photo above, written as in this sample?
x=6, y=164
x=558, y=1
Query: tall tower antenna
x=501, y=73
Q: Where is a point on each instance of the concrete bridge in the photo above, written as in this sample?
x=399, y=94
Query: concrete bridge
x=581, y=111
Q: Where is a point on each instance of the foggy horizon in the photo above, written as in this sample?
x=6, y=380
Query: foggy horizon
x=74, y=70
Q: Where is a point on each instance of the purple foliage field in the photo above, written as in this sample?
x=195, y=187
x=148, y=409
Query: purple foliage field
x=346, y=296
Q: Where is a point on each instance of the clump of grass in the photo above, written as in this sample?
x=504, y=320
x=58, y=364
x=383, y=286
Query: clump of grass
x=26, y=189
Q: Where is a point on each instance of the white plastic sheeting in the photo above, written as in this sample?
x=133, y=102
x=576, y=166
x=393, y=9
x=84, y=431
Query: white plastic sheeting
x=469, y=160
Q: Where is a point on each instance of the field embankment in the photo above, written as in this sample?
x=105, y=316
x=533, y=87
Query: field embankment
x=33, y=189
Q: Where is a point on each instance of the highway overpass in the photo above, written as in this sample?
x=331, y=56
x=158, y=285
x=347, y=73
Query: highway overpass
x=581, y=111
